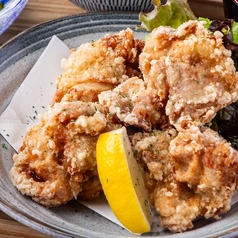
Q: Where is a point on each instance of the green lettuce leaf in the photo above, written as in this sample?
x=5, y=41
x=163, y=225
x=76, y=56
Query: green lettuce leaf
x=173, y=14
x=235, y=32
x=207, y=20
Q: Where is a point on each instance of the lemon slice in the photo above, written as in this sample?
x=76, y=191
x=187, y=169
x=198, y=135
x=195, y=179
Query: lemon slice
x=122, y=181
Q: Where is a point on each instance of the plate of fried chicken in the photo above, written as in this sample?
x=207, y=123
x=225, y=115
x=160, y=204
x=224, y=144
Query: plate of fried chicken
x=165, y=90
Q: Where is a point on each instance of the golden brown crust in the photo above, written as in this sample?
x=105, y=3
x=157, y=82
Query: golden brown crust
x=110, y=60
x=58, y=154
x=192, y=174
x=192, y=69
x=186, y=77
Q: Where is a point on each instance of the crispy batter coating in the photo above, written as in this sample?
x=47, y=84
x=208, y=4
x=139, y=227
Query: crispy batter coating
x=57, y=159
x=109, y=61
x=191, y=175
x=187, y=76
x=86, y=91
x=151, y=150
x=191, y=67
x=58, y=154
x=134, y=104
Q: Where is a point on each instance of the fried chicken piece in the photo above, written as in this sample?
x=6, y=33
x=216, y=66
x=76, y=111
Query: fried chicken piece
x=209, y=166
x=80, y=162
x=86, y=91
x=151, y=150
x=91, y=188
x=196, y=177
x=37, y=170
x=109, y=61
x=134, y=104
x=57, y=157
x=191, y=67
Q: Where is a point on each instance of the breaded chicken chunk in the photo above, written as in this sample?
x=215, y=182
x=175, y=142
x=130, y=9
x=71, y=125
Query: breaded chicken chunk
x=166, y=88
x=58, y=157
x=191, y=68
x=193, y=175
x=134, y=104
x=108, y=61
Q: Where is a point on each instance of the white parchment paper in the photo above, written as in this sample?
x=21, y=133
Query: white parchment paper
x=33, y=97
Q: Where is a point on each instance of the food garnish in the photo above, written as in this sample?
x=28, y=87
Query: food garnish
x=122, y=181
x=229, y=29
x=174, y=13
x=166, y=13
x=227, y=126
x=226, y=120
x=167, y=89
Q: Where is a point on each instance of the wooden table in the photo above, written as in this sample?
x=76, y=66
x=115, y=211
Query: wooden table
x=38, y=11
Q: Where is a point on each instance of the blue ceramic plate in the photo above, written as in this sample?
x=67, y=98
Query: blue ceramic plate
x=10, y=13
x=73, y=219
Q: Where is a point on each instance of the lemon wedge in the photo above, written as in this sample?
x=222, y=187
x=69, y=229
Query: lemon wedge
x=122, y=181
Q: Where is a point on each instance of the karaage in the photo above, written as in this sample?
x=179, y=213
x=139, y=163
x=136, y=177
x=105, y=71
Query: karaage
x=190, y=174
x=192, y=69
x=108, y=61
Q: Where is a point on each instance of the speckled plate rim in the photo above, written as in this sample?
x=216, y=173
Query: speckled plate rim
x=14, y=55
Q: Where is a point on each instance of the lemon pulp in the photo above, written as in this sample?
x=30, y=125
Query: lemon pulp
x=122, y=181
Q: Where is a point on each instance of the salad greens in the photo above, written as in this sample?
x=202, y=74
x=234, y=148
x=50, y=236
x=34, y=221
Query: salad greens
x=173, y=13
x=166, y=13
x=226, y=120
x=229, y=29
